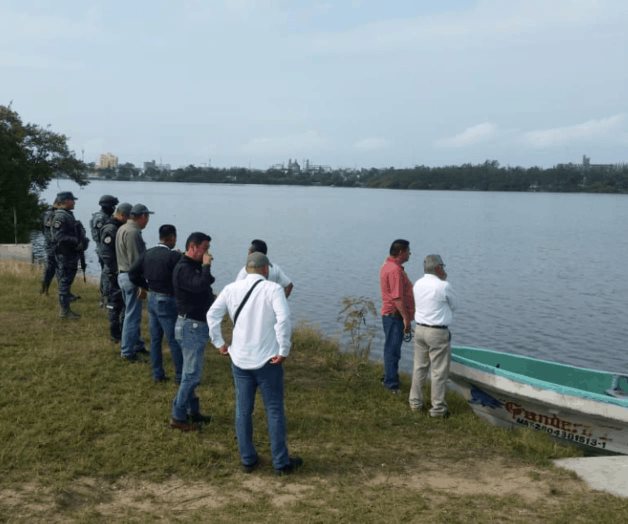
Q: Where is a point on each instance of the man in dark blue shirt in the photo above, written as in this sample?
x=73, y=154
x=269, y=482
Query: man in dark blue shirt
x=152, y=272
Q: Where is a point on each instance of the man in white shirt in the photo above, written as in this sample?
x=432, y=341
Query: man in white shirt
x=435, y=303
x=275, y=274
x=260, y=344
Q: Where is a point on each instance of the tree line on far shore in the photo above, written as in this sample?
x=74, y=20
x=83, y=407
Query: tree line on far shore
x=488, y=176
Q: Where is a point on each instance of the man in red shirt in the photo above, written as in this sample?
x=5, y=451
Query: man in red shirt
x=397, y=309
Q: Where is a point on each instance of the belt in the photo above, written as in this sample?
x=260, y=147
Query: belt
x=160, y=293
x=187, y=317
x=397, y=315
x=427, y=325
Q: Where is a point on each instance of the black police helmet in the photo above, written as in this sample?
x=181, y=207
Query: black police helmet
x=108, y=200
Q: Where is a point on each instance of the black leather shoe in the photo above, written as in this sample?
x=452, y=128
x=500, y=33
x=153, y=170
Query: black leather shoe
x=294, y=464
x=200, y=419
x=249, y=468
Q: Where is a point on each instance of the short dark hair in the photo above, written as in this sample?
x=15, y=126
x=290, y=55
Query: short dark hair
x=398, y=246
x=258, y=246
x=167, y=230
x=197, y=238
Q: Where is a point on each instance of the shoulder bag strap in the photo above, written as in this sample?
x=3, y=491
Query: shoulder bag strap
x=246, y=297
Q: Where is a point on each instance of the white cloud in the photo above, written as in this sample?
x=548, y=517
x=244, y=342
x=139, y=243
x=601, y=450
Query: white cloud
x=471, y=136
x=606, y=128
x=371, y=144
x=303, y=143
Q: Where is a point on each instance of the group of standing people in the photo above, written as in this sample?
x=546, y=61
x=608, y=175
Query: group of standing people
x=431, y=303
x=182, y=308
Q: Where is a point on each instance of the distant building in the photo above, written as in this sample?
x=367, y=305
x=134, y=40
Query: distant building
x=107, y=161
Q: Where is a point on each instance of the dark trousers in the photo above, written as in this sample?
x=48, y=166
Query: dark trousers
x=67, y=265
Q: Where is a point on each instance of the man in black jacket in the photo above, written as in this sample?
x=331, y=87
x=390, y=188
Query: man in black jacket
x=192, y=280
x=115, y=302
x=152, y=272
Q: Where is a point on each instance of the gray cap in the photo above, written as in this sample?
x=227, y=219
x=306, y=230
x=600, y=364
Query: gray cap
x=140, y=209
x=256, y=260
x=124, y=209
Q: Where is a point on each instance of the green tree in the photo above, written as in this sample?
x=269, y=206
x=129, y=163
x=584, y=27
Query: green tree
x=30, y=157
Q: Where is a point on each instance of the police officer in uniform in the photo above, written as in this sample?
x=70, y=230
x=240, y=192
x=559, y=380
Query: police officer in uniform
x=50, y=266
x=115, y=302
x=70, y=241
x=107, y=205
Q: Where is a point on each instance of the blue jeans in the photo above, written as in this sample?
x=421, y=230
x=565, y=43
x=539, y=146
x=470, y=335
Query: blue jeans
x=131, y=336
x=162, y=317
x=393, y=333
x=193, y=336
x=269, y=378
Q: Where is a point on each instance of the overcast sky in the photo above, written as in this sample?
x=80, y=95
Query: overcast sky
x=362, y=83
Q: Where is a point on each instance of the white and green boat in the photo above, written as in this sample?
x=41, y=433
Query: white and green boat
x=577, y=405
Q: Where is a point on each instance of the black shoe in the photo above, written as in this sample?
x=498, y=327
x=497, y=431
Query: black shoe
x=68, y=314
x=142, y=351
x=200, y=419
x=161, y=380
x=249, y=468
x=129, y=358
x=294, y=464
x=74, y=298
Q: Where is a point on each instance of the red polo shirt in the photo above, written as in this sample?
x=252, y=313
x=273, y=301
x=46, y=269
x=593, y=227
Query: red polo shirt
x=395, y=284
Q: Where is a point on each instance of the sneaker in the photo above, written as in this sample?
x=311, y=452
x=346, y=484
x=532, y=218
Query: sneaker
x=249, y=468
x=161, y=380
x=200, y=419
x=442, y=414
x=416, y=408
x=129, y=358
x=294, y=464
x=142, y=351
x=183, y=425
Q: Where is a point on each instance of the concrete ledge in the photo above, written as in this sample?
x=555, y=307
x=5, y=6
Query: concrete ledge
x=22, y=252
x=608, y=474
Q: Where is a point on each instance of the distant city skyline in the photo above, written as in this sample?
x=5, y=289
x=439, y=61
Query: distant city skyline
x=353, y=84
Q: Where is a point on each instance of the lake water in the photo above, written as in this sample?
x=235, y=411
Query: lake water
x=540, y=274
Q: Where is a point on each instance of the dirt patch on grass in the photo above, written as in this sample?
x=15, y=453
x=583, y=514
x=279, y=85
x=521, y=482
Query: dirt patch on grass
x=127, y=496
x=486, y=477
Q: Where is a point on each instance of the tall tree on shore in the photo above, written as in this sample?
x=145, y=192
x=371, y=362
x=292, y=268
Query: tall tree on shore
x=30, y=157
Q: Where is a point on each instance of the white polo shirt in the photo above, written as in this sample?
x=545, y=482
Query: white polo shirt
x=275, y=274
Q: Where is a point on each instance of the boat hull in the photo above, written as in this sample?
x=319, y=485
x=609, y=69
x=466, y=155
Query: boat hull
x=506, y=400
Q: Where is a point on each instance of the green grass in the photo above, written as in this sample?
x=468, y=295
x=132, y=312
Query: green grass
x=85, y=437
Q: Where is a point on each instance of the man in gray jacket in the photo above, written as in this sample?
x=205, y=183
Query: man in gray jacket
x=129, y=246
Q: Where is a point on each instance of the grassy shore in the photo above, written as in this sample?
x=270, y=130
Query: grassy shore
x=85, y=438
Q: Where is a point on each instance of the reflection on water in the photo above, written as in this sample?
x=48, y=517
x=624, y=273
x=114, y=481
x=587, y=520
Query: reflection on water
x=538, y=274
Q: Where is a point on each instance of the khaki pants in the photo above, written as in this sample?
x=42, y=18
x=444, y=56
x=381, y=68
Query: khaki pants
x=432, y=349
